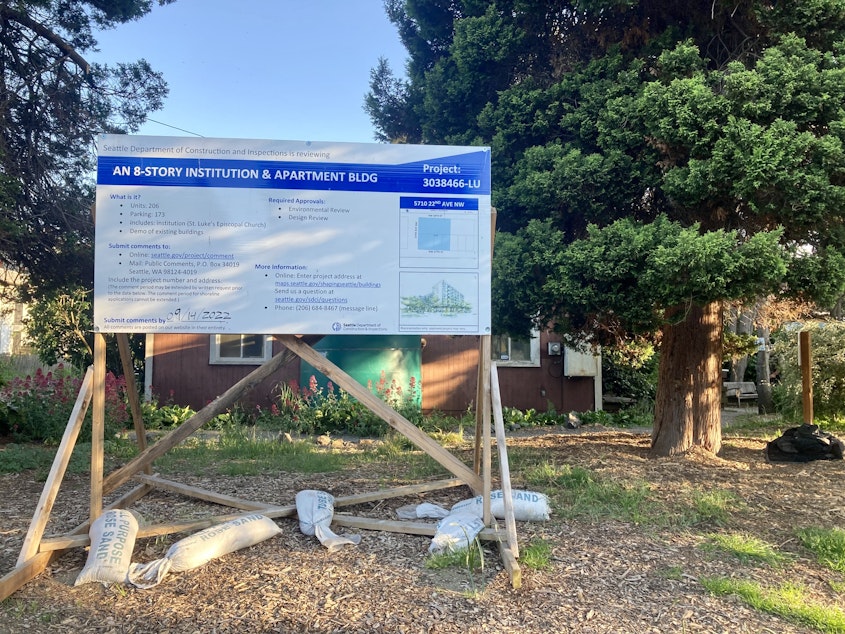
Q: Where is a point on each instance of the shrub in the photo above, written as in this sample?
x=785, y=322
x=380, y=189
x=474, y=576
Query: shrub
x=828, y=370
x=312, y=409
x=36, y=408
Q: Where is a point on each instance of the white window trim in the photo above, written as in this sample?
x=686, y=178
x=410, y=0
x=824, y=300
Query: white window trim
x=214, y=357
x=534, y=353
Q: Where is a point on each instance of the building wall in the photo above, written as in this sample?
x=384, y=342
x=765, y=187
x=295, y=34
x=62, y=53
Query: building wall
x=179, y=371
x=450, y=374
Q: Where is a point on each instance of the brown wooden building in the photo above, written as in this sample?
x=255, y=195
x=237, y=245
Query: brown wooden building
x=193, y=369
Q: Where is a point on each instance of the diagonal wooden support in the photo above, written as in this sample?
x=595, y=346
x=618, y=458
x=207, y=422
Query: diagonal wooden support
x=57, y=471
x=217, y=406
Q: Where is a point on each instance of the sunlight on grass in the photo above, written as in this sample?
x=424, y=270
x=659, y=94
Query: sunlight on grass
x=747, y=548
x=577, y=492
x=787, y=601
x=768, y=426
x=827, y=544
x=240, y=455
x=536, y=555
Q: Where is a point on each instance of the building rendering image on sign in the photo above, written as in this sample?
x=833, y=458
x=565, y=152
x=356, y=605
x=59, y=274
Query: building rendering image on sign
x=201, y=235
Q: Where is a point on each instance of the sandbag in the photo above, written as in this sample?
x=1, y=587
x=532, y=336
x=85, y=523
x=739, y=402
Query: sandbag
x=528, y=506
x=455, y=532
x=420, y=511
x=315, y=510
x=200, y=548
x=112, y=537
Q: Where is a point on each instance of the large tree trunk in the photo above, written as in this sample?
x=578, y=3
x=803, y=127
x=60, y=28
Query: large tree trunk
x=687, y=409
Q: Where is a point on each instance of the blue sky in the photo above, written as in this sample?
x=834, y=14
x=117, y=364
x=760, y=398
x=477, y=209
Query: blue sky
x=261, y=69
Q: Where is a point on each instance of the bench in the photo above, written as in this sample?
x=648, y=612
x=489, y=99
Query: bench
x=740, y=391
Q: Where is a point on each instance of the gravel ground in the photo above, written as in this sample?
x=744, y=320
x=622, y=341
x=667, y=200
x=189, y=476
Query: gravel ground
x=604, y=575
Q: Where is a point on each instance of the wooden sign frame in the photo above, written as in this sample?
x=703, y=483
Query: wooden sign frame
x=38, y=551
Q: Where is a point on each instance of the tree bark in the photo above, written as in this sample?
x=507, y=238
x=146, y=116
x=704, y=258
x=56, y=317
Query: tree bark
x=687, y=409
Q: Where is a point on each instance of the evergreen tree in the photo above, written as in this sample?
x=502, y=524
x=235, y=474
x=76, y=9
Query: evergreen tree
x=651, y=160
x=53, y=103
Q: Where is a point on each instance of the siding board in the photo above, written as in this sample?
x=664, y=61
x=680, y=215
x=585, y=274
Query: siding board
x=183, y=375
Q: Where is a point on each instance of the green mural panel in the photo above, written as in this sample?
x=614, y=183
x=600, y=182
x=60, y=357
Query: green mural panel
x=384, y=362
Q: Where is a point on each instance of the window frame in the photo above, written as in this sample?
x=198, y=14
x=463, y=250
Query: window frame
x=214, y=357
x=534, y=353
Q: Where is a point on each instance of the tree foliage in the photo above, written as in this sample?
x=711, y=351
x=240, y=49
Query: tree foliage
x=61, y=327
x=827, y=371
x=53, y=103
x=650, y=159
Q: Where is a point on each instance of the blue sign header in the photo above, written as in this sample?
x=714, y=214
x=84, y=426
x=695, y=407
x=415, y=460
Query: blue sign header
x=462, y=174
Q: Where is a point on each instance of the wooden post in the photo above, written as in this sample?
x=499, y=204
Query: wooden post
x=504, y=466
x=57, y=471
x=132, y=393
x=98, y=416
x=479, y=419
x=806, y=355
x=487, y=451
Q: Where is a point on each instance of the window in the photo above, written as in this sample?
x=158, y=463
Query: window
x=516, y=352
x=240, y=349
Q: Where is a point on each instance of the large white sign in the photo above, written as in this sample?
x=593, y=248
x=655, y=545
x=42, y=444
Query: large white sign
x=248, y=236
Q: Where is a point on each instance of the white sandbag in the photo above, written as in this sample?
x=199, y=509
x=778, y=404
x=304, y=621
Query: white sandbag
x=528, y=506
x=200, y=548
x=315, y=510
x=112, y=538
x=455, y=532
x=420, y=511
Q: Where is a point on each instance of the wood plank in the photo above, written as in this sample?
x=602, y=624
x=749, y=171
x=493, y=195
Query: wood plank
x=57, y=470
x=397, y=492
x=509, y=560
x=383, y=411
x=23, y=573
x=132, y=393
x=402, y=526
x=805, y=355
x=504, y=466
x=98, y=416
x=217, y=406
x=487, y=445
x=202, y=494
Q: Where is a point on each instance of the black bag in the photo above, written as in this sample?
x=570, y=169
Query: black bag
x=803, y=444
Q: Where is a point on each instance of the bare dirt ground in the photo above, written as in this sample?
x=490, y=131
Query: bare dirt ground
x=605, y=576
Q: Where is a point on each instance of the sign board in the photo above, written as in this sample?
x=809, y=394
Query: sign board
x=201, y=235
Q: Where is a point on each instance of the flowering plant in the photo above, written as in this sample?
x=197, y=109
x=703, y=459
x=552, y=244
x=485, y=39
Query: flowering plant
x=37, y=407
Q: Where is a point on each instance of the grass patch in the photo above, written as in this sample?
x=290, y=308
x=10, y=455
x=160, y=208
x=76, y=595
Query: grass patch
x=469, y=560
x=827, y=544
x=787, y=601
x=763, y=427
x=416, y=464
x=748, y=549
x=236, y=453
x=536, y=555
x=577, y=492
x=15, y=458
x=674, y=573
x=714, y=506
